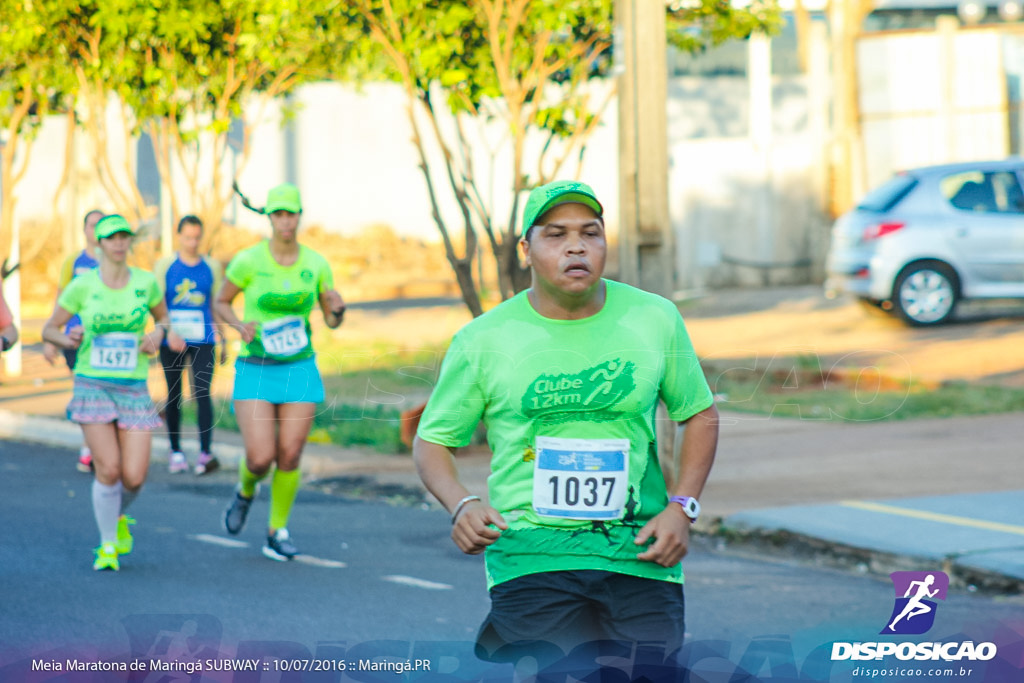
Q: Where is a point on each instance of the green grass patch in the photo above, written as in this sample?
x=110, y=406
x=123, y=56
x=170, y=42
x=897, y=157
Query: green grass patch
x=801, y=390
x=375, y=426
x=368, y=387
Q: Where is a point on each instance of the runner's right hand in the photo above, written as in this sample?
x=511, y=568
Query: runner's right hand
x=75, y=334
x=473, y=530
x=50, y=353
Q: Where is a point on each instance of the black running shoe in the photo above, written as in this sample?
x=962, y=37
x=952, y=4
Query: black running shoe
x=279, y=546
x=234, y=516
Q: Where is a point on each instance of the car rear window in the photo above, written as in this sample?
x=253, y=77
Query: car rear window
x=888, y=195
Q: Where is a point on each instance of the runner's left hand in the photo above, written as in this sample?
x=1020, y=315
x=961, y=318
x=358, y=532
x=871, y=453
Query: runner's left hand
x=670, y=530
x=334, y=300
x=175, y=342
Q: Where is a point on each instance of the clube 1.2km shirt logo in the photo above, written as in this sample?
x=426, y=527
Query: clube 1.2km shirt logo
x=915, y=607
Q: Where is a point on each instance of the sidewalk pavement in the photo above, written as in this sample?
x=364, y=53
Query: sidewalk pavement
x=927, y=494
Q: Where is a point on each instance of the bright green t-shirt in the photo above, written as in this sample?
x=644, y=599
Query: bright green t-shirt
x=569, y=407
x=279, y=300
x=113, y=321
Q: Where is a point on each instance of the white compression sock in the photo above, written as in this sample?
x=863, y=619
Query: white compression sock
x=106, y=506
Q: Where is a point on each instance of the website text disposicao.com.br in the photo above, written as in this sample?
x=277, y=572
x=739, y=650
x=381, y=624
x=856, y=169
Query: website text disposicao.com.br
x=909, y=672
x=957, y=659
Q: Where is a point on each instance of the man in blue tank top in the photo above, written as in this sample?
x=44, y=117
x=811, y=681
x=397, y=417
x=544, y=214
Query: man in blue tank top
x=190, y=281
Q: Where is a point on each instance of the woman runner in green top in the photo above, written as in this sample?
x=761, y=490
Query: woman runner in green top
x=277, y=383
x=111, y=401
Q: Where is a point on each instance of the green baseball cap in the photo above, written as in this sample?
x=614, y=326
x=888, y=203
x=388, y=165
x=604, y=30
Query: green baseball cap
x=546, y=197
x=284, y=197
x=111, y=225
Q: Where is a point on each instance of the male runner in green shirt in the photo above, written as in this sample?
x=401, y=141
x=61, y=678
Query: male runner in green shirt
x=583, y=538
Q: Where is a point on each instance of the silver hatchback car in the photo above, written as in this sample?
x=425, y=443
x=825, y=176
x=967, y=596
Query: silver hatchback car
x=932, y=236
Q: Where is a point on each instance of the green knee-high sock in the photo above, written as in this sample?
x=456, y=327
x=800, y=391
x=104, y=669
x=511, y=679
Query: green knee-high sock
x=283, y=489
x=247, y=480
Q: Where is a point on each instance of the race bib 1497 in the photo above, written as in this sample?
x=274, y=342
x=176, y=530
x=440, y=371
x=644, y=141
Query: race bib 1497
x=115, y=351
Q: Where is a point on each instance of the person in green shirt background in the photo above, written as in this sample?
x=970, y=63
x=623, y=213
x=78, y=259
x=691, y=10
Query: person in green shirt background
x=277, y=382
x=581, y=533
x=110, y=398
x=73, y=266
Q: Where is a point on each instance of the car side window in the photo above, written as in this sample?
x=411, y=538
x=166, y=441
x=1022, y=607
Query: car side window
x=992, y=192
x=1008, y=192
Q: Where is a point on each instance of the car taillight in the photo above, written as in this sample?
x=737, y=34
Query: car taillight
x=881, y=230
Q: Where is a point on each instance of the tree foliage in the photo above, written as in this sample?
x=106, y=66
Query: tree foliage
x=528, y=65
x=34, y=82
x=189, y=72
x=696, y=25
x=527, y=76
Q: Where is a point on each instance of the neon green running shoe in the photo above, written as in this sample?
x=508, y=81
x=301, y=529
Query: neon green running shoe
x=106, y=558
x=125, y=543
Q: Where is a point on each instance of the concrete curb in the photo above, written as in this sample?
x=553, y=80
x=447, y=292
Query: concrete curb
x=56, y=432
x=61, y=433
x=829, y=553
x=318, y=461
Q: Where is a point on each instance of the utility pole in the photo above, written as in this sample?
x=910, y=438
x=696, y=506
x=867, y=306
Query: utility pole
x=646, y=243
x=845, y=18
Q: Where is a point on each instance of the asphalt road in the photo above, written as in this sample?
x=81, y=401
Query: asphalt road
x=374, y=573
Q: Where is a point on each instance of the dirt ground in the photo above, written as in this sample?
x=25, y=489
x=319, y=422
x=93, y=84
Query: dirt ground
x=984, y=344
x=786, y=325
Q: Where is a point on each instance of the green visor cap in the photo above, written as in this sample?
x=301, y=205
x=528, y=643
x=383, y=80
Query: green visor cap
x=546, y=197
x=284, y=197
x=111, y=225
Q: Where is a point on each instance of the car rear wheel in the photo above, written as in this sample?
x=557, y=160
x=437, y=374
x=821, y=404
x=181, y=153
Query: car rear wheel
x=926, y=294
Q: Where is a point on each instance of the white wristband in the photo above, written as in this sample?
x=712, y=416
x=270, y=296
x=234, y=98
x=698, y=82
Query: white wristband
x=461, y=504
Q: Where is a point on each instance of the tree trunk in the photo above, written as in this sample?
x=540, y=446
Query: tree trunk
x=464, y=277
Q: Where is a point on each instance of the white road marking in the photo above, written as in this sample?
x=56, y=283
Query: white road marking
x=319, y=562
x=219, y=540
x=231, y=543
x=418, y=583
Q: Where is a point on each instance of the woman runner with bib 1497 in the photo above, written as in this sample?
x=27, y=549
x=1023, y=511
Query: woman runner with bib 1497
x=111, y=401
x=277, y=383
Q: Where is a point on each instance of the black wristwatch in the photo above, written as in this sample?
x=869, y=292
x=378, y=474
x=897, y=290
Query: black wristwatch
x=5, y=344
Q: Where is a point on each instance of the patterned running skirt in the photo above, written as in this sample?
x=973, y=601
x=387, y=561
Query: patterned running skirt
x=126, y=402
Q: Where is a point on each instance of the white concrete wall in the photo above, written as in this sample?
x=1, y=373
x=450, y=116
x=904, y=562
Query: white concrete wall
x=931, y=98
x=356, y=166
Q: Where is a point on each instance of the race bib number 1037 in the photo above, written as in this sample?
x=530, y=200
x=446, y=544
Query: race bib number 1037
x=583, y=479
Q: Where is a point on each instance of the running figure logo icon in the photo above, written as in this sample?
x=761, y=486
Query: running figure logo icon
x=914, y=612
